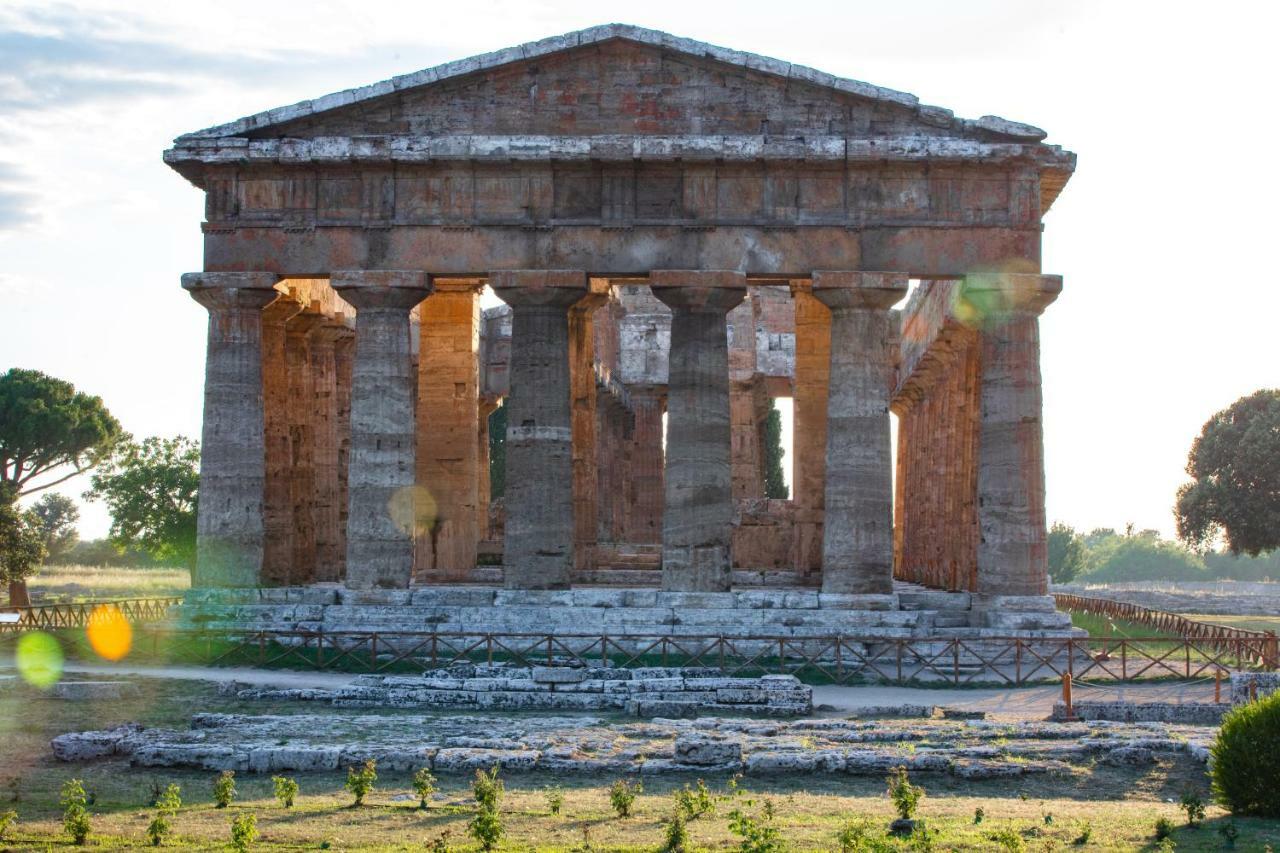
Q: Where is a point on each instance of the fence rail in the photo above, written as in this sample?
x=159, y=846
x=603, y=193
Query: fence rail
x=55, y=616
x=831, y=659
x=1174, y=623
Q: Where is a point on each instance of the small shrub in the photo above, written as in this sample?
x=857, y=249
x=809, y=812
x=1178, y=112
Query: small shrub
x=170, y=800
x=1166, y=845
x=159, y=829
x=286, y=790
x=695, y=802
x=922, y=838
x=224, y=789
x=555, y=798
x=1007, y=838
x=486, y=827
x=1246, y=759
x=978, y=814
x=75, y=817
x=1048, y=819
x=7, y=821
x=244, y=831
x=360, y=780
x=758, y=834
x=1086, y=833
x=622, y=795
x=440, y=844
x=1193, y=805
x=1228, y=830
x=1164, y=828
x=424, y=785
x=860, y=837
x=906, y=797
x=675, y=838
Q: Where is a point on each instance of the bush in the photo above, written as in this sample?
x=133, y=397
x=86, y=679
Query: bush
x=244, y=831
x=75, y=817
x=676, y=834
x=555, y=798
x=486, y=826
x=1193, y=805
x=861, y=838
x=622, y=795
x=1086, y=833
x=1246, y=759
x=758, y=834
x=906, y=797
x=159, y=829
x=424, y=785
x=1007, y=838
x=1164, y=828
x=978, y=814
x=360, y=780
x=693, y=803
x=7, y=821
x=285, y=789
x=168, y=802
x=224, y=789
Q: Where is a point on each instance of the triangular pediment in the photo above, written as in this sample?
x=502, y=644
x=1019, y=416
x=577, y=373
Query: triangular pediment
x=616, y=80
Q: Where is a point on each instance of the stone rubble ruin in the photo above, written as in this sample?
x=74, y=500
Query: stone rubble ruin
x=679, y=232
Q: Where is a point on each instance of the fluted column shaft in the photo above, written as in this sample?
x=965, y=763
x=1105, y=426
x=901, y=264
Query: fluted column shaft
x=229, y=528
x=330, y=544
x=539, y=531
x=277, y=510
x=383, y=512
x=1013, y=539
x=857, y=533
x=697, y=520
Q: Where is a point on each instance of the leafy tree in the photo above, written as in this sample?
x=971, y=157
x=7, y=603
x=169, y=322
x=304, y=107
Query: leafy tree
x=46, y=426
x=21, y=546
x=775, y=485
x=1118, y=559
x=57, y=516
x=498, y=452
x=151, y=491
x=1235, y=470
x=1066, y=553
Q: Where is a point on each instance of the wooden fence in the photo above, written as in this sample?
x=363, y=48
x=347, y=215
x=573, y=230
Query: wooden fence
x=49, y=617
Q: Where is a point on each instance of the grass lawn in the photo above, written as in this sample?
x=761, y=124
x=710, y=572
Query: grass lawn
x=1249, y=623
x=1118, y=805
x=71, y=584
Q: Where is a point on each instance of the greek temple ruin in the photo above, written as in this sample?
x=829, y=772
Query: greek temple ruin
x=678, y=234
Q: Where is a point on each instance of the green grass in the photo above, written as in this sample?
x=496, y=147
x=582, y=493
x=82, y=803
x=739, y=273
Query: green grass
x=74, y=584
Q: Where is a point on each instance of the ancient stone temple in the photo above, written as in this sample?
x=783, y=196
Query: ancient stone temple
x=678, y=233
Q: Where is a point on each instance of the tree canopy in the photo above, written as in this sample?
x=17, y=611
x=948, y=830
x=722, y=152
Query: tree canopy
x=1066, y=553
x=46, y=425
x=151, y=490
x=57, y=515
x=1235, y=470
x=21, y=545
x=775, y=483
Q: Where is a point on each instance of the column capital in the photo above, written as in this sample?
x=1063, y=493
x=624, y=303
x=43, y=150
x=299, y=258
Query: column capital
x=442, y=284
x=699, y=290
x=304, y=323
x=533, y=288
x=855, y=289
x=332, y=331
x=231, y=290
x=993, y=295
x=372, y=289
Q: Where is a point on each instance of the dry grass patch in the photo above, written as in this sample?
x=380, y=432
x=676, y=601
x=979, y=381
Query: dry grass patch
x=70, y=584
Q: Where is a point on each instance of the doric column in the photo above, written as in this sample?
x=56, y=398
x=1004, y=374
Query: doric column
x=448, y=421
x=809, y=431
x=648, y=465
x=582, y=394
x=697, y=519
x=857, y=537
x=232, y=451
x=1012, y=543
x=327, y=443
x=383, y=513
x=538, y=539
x=277, y=508
x=344, y=356
x=302, y=416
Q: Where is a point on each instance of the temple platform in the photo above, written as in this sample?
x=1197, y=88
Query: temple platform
x=749, y=612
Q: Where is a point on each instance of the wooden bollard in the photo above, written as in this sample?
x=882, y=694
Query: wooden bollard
x=1066, y=695
x=1217, y=687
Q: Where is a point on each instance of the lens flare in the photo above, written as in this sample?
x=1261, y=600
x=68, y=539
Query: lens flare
x=39, y=659
x=412, y=510
x=109, y=632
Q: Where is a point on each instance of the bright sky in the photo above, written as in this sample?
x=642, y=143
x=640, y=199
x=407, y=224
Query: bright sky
x=1169, y=310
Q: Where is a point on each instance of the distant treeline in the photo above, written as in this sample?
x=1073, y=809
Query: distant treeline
x=1106, y=555
x=100, y=552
